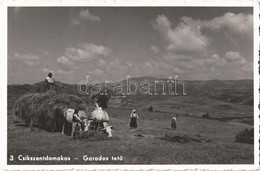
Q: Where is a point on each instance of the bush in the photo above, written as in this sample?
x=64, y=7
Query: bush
x=206, y=115
x=188, y=114
x=245, y=136
x=150, y=109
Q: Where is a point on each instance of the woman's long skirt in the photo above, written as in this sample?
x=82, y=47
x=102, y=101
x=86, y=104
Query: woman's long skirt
x=174, y=126
x=133, y=122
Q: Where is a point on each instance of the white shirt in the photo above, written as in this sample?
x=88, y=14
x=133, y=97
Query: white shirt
x=49, y=79
x=134, y=115
x=99, y=114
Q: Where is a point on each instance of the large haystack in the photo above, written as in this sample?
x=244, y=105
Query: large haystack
x=44, y=110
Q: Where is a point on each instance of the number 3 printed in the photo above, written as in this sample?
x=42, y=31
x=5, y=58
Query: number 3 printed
x=11, y=158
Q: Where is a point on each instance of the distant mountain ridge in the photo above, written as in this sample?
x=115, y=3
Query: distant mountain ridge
x=236, y=91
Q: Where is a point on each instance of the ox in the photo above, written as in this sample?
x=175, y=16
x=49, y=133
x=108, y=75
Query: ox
x=78, y=119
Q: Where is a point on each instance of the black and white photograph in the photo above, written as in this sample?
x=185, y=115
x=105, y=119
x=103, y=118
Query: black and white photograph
x=132, y=85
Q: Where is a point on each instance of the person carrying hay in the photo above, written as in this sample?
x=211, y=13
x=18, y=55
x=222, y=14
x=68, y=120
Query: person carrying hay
x=133, y=119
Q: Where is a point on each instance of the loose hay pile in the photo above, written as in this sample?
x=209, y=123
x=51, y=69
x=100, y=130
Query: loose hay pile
x=93, y=136
x=184, y=138
x=44, y=110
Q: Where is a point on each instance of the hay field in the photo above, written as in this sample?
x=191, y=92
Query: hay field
x=149, y=149
x=203, y=141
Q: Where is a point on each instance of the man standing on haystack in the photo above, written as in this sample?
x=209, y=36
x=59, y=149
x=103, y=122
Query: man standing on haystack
x=49, y=82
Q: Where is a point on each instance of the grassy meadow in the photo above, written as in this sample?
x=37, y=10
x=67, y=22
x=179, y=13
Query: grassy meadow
x=152, y=142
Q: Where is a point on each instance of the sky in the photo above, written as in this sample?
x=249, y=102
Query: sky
x=111, y=43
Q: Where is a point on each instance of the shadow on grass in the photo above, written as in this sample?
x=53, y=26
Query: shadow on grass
x=20, y=124
x=95, y=136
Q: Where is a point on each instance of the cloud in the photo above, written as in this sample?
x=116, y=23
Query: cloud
x=101, y=63
x=159, y=68
x=63, y=72
x=96, y=72
x=28, y=59
x=120, y=68
x=47, y=53
x=86, y=57
x=248, y=68
x=240, y=24
x=31, y=63
x=232, y=65
x=46, y=70
x=147, y=65
x=112, y=69
x=185, y=37
x=85, y=52
x=215, y=61
x=85, y=15
x=235, y=57
x=57, y=72
x=162, y=24
x=188, y=35
x=66, y=62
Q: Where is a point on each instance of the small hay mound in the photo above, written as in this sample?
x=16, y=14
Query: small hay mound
x=245, y=136
x=93, y=136
x=139, y=135
x=184, y=138
x=44, y=110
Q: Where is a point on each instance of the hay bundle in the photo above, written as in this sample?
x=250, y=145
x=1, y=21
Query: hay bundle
x=183, y=138
x=93, y=136
x=44, y=110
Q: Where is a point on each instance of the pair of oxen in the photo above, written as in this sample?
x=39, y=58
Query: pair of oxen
x=98, y=121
